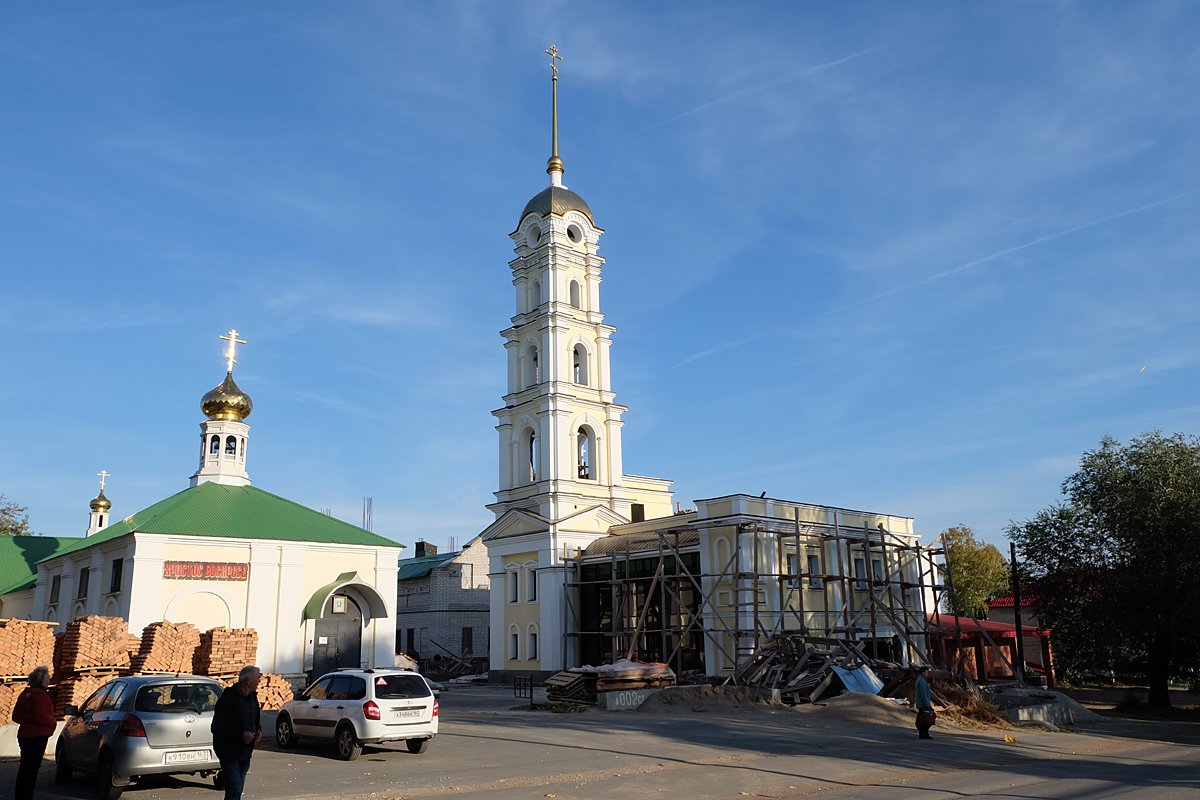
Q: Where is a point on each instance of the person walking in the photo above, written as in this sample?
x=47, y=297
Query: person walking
x=237, y=729
x=923, y=700
x=35, y=713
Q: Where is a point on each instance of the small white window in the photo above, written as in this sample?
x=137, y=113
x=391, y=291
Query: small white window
x=533, y=236
x=860, y=572
x=579, y=365
x=533, y=646
x=514, y=586
x=531, y=593
x=531, y=455
x=585, y=446
x=533, y=371
x=575, y=234
x=575, y=294
x=514, y=643
x=877, y=570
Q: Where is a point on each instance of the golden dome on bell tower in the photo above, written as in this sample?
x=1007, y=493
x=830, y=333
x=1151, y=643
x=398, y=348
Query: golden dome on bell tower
x=227, y=401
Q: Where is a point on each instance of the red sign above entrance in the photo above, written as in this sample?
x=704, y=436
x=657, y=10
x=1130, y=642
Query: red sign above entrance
x=206, y=571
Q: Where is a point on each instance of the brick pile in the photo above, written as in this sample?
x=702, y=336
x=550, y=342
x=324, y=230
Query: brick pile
x=93, y=643
x=25, y=646
x=74, y=689
x=223, y=651
x=273, y=692
x=9, y=692
x=166, y=647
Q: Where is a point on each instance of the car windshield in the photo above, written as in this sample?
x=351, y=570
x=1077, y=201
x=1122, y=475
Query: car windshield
x=177, y=698
x=398, y=687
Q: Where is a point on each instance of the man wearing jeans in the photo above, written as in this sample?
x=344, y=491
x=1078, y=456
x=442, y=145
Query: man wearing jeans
x=236, y=729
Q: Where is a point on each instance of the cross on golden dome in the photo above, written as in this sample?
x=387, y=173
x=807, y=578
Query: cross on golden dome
x=231, y=350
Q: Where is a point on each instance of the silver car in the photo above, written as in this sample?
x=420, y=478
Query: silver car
x=140, y=725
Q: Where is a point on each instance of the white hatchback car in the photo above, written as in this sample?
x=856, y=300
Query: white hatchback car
x=353, y=707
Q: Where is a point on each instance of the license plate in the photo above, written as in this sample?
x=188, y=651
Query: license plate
x=401, y=713
x=188, y=756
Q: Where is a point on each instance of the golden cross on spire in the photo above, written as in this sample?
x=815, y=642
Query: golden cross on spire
x=103, y=474
x=554, y=59
x=231, y=350
x=555, y=165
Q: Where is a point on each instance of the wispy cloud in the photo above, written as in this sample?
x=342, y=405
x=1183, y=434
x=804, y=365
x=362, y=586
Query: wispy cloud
x=755, y=87
x=999, y=254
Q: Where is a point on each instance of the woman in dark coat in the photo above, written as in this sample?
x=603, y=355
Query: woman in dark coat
x=35, y=713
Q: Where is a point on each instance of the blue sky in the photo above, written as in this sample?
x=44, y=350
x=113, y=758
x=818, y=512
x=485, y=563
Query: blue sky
x=911, y=258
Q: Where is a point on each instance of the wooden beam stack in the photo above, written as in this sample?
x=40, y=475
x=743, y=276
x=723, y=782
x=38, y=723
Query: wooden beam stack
x=166, y=647
x=25, y=646
x=222, y=652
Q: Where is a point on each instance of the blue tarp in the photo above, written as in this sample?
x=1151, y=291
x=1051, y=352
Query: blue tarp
x=861, y=680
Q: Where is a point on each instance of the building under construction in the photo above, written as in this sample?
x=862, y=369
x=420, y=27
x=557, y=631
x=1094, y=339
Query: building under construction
x=703, y=590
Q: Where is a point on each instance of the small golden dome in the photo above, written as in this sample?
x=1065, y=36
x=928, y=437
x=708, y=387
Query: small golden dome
x=100, y=502
x=227, y=401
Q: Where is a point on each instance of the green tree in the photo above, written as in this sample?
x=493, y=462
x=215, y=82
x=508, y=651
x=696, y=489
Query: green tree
x=13, y=519
x=1115, y=567
x=977, y=571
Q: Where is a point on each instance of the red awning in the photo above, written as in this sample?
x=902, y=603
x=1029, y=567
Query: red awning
x=952, y=627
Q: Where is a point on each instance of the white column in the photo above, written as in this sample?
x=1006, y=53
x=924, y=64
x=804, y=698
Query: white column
x=264, y=600
x=145, y=576
x=385, y=627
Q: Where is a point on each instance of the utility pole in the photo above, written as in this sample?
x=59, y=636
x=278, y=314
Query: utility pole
x=1016, y=595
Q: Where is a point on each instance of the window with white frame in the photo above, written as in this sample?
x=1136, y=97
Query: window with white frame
x=532, y=652
x=514, y=643
x=877, y=570
x=860, y=572
x=814, y=569
x=514, y=586
x=531, y=591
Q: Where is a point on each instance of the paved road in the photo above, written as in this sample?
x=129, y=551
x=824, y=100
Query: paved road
x=487, y=750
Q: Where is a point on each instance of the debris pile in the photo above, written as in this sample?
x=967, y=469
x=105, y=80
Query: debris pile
x=25, y=646
x=805, y=668
x=222, y=651
x=166, y=647
x=585, y=684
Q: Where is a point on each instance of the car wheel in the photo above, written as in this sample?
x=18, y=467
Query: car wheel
x=105, y=789
x=417, y=746
x=348, y=746
x=285, y=734
x=62, y=772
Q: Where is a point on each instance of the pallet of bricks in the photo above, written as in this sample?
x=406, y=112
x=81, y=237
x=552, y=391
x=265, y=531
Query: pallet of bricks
x=24, y=646
x=166, y=647
x=223, y=651
x=90, y=652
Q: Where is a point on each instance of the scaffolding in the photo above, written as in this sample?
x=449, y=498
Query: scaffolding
x=645, y=596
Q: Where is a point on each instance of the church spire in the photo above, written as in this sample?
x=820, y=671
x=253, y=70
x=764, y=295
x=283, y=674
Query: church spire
x=100, y=506
x=554, y=165
x=223, y=434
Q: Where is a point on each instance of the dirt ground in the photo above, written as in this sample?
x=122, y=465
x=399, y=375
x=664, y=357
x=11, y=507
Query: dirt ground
x=1105, y=699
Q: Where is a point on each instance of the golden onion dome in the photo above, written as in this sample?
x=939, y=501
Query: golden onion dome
x=100, y=502
x=227, y=401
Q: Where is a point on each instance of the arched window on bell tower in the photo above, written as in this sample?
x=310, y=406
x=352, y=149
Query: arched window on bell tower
x=533, y=370
x=575, y=294
x=531, y=455
x=585, y=448
x=579, y=365
x=231, y=446
x=214, y=446
x=535, y=295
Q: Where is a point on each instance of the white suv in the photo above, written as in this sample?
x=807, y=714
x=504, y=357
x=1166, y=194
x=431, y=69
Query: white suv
x=353, y=707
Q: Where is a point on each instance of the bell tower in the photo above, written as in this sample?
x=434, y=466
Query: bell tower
x=224, y=433
x=560, y=427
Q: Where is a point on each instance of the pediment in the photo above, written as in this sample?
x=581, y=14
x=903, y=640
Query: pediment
x=515, y=522
x=593, y=519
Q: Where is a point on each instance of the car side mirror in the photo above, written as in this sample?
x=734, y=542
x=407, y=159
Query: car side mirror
x=302, y=697
x=71, y=711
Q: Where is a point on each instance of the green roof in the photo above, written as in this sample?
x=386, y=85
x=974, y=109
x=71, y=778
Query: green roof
x=19, y=556
x=421, y=566
x=239, y=512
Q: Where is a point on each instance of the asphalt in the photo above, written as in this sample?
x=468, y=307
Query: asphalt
x=489, y=749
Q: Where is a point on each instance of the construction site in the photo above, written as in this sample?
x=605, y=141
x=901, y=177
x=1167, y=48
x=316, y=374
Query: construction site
x=783, y=597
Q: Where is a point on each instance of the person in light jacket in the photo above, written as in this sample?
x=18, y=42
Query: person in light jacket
x=237, y=729
x=35, y=713
x=923, y=700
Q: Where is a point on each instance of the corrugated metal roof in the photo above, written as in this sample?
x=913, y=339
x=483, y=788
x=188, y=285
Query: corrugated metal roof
x=640, y=542
x=421, y=566
x=20, y=554
x=240, y=512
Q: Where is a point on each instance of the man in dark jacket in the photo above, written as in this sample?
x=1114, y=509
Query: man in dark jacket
x=35, y=713
x=236, y=729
